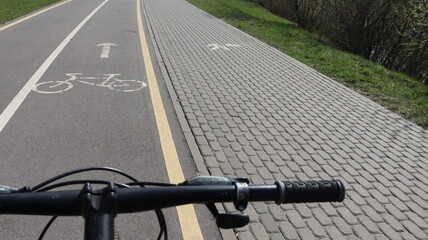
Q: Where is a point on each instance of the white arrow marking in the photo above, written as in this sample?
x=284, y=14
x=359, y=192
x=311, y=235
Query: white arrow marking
x=106, y=49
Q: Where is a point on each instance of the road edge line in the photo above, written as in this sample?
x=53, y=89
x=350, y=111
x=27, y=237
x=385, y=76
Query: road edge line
x=187, y=216
x=26, y=17
x=226, y=234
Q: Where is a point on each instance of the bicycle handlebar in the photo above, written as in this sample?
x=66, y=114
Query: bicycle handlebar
x=69, y=203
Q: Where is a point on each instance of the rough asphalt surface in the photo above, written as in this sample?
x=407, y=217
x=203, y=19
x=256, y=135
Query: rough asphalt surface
x=255, y=112
x=87, y=125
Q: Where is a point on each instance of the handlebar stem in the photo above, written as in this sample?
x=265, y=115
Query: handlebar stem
x=99, y=211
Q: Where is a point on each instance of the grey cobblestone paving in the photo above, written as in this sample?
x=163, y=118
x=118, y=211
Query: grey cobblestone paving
x=257, y=113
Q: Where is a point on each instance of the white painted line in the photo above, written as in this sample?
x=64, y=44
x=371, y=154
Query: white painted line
x=30, y=16
x=20, y=97
x=106, y=49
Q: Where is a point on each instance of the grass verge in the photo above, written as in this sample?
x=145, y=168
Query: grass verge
x=395, y=91
x=12, y=9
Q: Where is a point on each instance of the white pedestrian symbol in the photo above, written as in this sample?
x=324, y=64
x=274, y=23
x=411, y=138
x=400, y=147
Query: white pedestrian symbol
x=215, y=46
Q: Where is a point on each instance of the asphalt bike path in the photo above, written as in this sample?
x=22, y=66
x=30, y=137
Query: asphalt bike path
x=91, y=107
x=255, y=112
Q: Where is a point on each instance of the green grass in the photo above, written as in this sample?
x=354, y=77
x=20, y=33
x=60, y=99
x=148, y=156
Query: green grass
x=396, y=91
x=11, y=9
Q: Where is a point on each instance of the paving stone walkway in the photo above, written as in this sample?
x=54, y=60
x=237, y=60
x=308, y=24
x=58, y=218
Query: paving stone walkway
x=255, y=112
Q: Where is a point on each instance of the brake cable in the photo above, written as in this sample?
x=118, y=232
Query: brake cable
x=39, y=188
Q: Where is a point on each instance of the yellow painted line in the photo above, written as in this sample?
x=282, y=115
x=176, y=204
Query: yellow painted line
x=32, y=15
x=186, y=214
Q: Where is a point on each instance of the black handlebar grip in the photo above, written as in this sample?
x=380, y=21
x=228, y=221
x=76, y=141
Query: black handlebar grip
x=310, y=191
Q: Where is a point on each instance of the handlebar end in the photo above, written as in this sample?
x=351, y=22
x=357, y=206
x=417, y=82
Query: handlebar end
x=310, y=191
x=341, y=190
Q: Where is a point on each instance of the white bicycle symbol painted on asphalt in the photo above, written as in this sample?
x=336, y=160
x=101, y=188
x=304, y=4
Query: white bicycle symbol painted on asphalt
x=109, y=81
